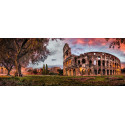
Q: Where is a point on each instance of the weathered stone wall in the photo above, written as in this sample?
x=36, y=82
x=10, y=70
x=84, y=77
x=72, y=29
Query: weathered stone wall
x=92, y=63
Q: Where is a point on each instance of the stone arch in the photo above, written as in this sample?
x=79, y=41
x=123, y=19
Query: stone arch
x=90, y=63
x=103, y=71
x=107, y=63
x=75, y=60
x=99, y=71
x=95, y=71
x=107, y=72
x=78, y=62
x=95, y=62
x=103, y=62
x=83, y=61
x=74, y=72
x=99, y=62
x=89, y=71
x=83, y=72
x=110, y=72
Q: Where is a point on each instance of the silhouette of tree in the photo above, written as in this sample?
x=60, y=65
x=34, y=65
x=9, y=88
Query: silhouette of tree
x=43, y=69
x=47, y=72
x=117, y=42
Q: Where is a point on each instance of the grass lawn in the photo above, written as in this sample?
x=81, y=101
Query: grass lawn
x=63, y=80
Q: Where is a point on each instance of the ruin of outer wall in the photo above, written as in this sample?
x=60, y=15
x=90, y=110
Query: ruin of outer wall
x=88, y=63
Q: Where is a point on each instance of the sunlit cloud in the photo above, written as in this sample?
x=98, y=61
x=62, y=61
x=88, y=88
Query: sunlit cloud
x=82, y=45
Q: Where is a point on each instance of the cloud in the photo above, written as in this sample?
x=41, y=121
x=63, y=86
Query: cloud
x=79, y=46
x=82, y=45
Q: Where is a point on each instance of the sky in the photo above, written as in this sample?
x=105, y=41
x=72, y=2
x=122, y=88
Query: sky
x=80, y=46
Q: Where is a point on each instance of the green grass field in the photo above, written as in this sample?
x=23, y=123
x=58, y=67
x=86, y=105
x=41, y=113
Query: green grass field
x=63, y=81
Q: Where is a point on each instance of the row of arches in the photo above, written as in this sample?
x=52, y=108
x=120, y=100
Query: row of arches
x=92, y=72
x=99, y=62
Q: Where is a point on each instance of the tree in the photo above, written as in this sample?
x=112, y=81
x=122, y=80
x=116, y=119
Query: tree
x=47, y=71
x=117, y=42
x=30, y=71
x=60, y=71
x=5, y=58
x=8, y=64
x=43, y=69
x=25, y=50
x=35, y=71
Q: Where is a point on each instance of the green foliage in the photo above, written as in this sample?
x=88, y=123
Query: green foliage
x=51, y=73
x=44, y=70
x=47, y=71
x=35, y=71
x=30, y=71
x=116, y=43
x=60, y=71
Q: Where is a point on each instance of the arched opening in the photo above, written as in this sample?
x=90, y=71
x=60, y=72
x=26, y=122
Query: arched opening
x=94, y=62
x=89, y=71
x=103, y=62
x=83, y=61
x=99, y=71
x=95, y=71
x=90, y=63
x=107, y=63
x=67, y=53
x=115, y=65
x=75, y=60
x=99, y=63
x=110, y=72
x=74, y=72
x=83, y=72
x=103, y=71
x=107, y=72
x=78, y=62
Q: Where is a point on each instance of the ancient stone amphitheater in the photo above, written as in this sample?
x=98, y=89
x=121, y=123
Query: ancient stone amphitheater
x=91, y=63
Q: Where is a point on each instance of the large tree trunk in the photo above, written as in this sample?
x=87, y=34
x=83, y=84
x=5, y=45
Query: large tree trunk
x=16, y=67
x=8, y=72
x=19, y=70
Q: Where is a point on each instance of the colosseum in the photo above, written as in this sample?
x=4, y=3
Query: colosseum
x=91, y=63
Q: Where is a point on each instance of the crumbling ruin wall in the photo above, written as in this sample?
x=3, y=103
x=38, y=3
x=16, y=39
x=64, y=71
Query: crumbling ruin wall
x=91, y=63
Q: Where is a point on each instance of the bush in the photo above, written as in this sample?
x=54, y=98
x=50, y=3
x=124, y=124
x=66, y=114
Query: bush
x=51, y=73
x=35, y=71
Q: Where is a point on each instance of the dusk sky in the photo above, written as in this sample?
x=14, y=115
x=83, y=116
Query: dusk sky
x=79, y=46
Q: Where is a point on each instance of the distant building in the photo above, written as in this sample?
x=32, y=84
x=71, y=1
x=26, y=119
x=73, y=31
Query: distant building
x=54, y=70
x=3, y=71
x=29, y=70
